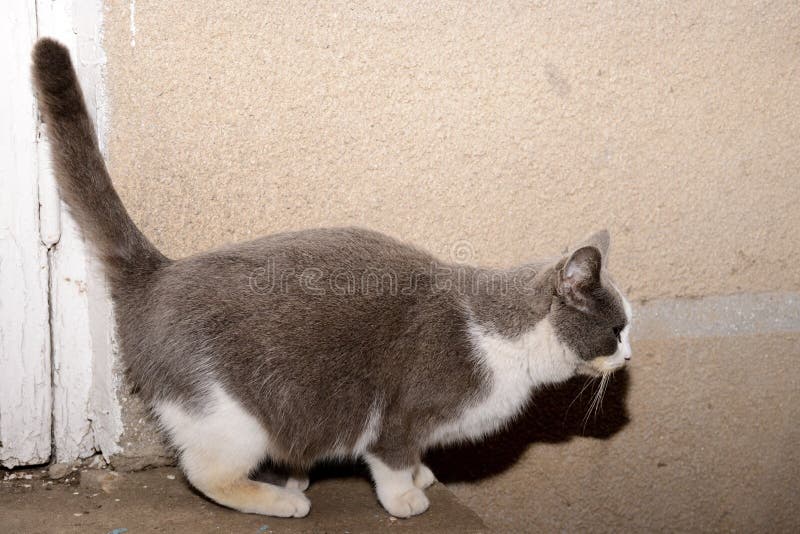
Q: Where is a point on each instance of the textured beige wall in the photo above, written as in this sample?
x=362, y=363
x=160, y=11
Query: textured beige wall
x=515, y=127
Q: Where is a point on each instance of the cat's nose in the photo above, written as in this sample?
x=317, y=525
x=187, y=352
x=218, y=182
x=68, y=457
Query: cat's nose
x=627, y=357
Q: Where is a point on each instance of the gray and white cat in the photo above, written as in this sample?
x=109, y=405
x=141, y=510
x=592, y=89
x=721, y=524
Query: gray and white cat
x=325, y=344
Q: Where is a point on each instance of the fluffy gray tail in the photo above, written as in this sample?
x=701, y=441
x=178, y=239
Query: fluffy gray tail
x=81, y=172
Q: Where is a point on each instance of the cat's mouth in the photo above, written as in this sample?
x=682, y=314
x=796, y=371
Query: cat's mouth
x=588, y=370
x=600, y=367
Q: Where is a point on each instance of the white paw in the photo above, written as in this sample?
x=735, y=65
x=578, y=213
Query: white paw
x=290, y=503
x=412, y=502
x=423, y=477
x=300, y=484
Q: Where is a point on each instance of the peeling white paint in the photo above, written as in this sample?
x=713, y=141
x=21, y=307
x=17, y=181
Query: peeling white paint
x=72, y=347
x=86, y=415
x=49, y=203
x=24, y=331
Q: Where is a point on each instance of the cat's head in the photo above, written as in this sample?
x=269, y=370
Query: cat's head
x=589, y=314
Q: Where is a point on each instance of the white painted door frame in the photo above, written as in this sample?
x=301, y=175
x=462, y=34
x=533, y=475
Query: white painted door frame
x=57, y=365
x=25, y=395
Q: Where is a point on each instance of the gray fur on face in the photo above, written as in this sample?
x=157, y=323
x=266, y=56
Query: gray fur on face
x=312, y=331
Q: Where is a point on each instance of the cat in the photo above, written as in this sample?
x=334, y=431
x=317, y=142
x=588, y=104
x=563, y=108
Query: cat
x=337, y=343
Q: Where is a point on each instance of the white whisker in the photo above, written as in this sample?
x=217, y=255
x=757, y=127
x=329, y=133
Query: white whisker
x=589, y=380
x=597, y=400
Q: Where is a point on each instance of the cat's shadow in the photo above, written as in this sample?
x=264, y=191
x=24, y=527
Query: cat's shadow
x=556, y=414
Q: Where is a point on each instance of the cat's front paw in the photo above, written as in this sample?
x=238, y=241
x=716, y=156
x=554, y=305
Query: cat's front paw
x=423, y=476
x=300, y=484
x=412, y=502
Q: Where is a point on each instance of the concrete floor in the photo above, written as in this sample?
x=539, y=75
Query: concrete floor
x=160, y=500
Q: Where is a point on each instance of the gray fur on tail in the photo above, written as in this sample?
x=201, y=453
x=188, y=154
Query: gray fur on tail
x=81, y=173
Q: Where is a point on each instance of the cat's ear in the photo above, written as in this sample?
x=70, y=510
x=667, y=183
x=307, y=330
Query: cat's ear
x=601, y=241
x=579, y=276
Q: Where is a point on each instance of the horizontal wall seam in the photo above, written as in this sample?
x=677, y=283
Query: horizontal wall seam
x=717, y=316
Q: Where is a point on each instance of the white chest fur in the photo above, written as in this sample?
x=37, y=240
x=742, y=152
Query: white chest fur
x=514, y=367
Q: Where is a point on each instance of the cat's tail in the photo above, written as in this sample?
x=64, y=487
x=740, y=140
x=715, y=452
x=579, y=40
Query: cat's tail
x=81, y=172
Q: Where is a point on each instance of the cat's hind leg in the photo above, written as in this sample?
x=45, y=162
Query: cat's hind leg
x=279, y=476
x=297, y=482
x=220, y=445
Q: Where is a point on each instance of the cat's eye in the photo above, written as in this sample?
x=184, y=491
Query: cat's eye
x=618, y=332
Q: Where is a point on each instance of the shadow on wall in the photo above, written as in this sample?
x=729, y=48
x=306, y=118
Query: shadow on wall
x=555, y=415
